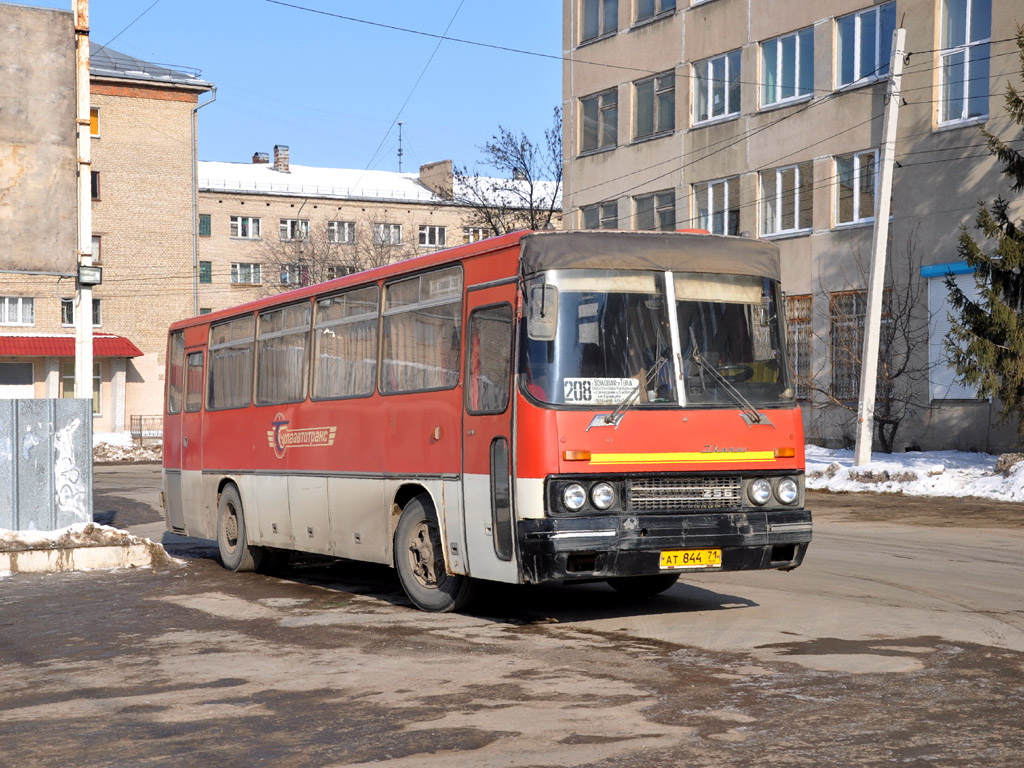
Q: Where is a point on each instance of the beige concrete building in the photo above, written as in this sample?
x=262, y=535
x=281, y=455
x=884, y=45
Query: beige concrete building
x=764, y=117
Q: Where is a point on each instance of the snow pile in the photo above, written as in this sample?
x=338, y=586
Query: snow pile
x=78, y=536
x=952, y=474
x=119, y=447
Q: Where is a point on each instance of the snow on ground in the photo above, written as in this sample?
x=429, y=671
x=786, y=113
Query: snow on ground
x=120, y=447
x=935, y=473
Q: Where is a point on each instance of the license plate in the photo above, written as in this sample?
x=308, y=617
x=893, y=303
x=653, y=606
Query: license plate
x=678, y=559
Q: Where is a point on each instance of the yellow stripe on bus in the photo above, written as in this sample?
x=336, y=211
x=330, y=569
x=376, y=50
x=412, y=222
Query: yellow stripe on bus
x=758, y=457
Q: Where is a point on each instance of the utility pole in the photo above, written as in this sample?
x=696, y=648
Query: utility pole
x=83, y=292
x=876, y=284
x=399, y=146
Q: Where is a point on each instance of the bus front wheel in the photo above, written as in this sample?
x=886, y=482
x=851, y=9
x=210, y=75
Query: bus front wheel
x=419, y=559
x=643, y=586
x=235, y=552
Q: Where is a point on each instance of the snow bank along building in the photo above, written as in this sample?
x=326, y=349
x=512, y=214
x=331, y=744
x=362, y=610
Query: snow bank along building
x=765, y=117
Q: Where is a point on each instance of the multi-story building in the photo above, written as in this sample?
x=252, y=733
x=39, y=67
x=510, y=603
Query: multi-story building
x=765, y=118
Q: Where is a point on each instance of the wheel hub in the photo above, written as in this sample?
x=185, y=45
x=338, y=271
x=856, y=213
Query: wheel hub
x=425, y=556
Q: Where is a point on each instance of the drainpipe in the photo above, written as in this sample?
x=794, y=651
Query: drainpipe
x=195, y=213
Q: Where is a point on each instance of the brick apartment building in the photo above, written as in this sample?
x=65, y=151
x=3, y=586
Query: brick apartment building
x=765, y=117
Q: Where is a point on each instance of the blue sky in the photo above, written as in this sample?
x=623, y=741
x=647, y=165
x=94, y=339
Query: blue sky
x=330, y=89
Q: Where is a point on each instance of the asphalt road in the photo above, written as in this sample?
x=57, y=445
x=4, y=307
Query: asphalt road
x=900, y=641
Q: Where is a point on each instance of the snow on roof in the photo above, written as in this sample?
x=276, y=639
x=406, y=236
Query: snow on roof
x=106, y=62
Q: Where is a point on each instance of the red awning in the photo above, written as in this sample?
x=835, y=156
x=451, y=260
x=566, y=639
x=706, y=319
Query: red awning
x=103, y=345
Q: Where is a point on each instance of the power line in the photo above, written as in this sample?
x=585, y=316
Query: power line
x=126, y=27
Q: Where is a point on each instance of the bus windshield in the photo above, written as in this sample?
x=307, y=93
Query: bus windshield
x=605, y=337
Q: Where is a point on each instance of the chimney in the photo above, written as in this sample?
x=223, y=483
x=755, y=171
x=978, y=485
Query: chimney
x=281, y=158
x=437, y=177
x=260, y=158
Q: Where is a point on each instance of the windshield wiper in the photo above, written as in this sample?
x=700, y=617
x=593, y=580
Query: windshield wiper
x=615, y=416
x=750, y=413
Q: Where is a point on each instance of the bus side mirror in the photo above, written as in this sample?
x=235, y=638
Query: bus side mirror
x=542, y=321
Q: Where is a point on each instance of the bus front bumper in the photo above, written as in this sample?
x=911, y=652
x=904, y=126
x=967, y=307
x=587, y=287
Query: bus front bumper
x=612, y=546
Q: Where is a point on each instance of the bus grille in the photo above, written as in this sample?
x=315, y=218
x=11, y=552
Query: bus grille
x=684, y=493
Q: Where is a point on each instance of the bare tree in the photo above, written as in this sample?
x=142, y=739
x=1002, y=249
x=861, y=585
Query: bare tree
x=525, y=190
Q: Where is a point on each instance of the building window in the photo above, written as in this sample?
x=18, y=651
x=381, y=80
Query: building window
x=716, y=87
x=341, y=232
x=648, y=9
x=17, y=310
x=474, y=234
x=864, y=44
x=787, y=67
x=942, y=377
x=798, y=321
x=786, y=199
x=97, y=249
x=655, y=105
x=338, y=270
x=94, y=121
x=856, y=175
x=205, y=226
x=205, y=310
x=387, y=234
x=601, y=216
x=846, y=337
x=67, y=383
x=94, y=184
x=294, y=229
x=67, y=312
x=600, y=17
x=716, y=206
x=432, y=236
x=245, y=274
x=966, y=39
x=206, y=272
x=657, y=211
x=245, y=226
x=295, y=274
x=600, y=127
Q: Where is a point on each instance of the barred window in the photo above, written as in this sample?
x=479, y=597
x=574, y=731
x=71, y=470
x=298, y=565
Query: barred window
x=345, y=344
x=282, y=359
x=798, y=320
x=231, y=356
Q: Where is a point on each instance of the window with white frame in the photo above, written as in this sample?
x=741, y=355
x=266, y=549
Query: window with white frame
x=295, y=275
x=600, y=17
x=600, y=128
x=67, y=312
x=648, y=9
x=97, y=249
x=966, y=37
x=245, y=274
x=943, y=381
x=657, y=211
x=655, y=105
x=387, y=234
x=601, y=216
x=787, y=67
x=716, y=87
x=433, y=236
x=338, y=270
x=798, y=338
x=716, y=206
x=17, y=310
x=245, y=226
x=341, y=232
x=67, y=383
x=856, y=175
x=295, y=229
x=786, y=199
x=864, y=44
x=474, y=234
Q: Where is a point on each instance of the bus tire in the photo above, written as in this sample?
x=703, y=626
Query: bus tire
x=235, y=552
x=419, y=560
x=643, y=586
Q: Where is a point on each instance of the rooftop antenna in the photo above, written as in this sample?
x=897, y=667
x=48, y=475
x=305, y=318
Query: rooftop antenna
x=399, y=146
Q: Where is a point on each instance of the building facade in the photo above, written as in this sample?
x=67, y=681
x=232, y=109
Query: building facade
x=765, y=118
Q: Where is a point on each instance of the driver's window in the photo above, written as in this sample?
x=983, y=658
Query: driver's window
x=489, y=360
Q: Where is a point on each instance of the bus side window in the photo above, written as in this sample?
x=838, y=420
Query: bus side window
x=489, y=362
x=194, y=382
x=176, y=372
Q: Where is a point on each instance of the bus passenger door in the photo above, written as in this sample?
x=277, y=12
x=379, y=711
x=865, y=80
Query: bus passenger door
x=192, y=446
x=487, y=433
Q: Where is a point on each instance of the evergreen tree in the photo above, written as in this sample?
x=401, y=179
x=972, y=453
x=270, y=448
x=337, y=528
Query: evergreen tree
x=986, y=342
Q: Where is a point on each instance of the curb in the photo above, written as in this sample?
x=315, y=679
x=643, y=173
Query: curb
x=81, y=548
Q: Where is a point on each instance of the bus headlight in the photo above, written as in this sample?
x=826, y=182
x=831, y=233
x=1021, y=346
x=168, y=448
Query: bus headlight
x=787, y=490
x=760, y=491
x=574, y=497
x=603, y=495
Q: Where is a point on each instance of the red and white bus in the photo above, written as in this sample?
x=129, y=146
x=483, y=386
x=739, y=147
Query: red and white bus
x=537, y=407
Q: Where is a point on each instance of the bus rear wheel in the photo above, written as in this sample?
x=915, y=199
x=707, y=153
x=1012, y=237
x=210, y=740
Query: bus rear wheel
x=419, y=560
x=235, y=552
x=643, y=586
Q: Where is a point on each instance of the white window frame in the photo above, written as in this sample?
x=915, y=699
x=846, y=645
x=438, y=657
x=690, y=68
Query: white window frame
x=292, y=230
x=607, y=120
x=972, y=51
x=245, y=227
x=857, y=180
x=68, y=306
x=387, y=234
x=776, y=192
x=661, y=84
x=17, y=310
x=343, y=232
x=779, y=46
x=67, y=384
x=296, y=275
x=433, y=236
x=867, y=21
x=252, y=270
x=705, y=219
x=475, y=234
x=704, y=74
x=942, y=383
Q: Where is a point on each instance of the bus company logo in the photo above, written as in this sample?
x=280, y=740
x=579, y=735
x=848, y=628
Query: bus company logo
x=281, y=438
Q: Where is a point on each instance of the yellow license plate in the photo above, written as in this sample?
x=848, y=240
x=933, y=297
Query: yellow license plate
x=678, y=559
